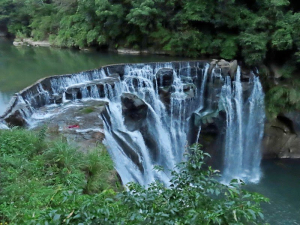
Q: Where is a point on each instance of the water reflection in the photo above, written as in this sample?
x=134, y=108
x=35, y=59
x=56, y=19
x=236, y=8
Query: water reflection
x=22, y=66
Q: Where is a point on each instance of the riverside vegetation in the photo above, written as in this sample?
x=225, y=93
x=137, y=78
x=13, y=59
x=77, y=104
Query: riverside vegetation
x=258, y=32
x=253, y=29
x=50, y=182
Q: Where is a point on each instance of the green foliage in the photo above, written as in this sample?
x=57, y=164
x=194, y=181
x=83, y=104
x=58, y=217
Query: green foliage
x=254, y=30
x=53, y=183
x=193, y=197
x=258, y=32
x=88, y=110
x=282, y=98
x=38, y=176
x=284, y=95
x=254, y=47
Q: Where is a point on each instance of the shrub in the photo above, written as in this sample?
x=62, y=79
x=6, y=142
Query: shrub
x=38, y=175
x=194, y=197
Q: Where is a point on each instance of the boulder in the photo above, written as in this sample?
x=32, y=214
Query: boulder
x=165, y=95
x=79, y=124
x=16, y=119
x=233, y=65
x=280, y=140
x=117, y=69
x=213, y=62
x=31, y=42
x=189, y=90
x=292, y=120
x=225, y=67
x=128, y=51
x=18, y=43
x=165, y=77
x=212, y=65
x=134, y=110
x=75, y=91
x=223, y=63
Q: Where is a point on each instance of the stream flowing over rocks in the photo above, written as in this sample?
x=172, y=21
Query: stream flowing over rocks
x=146, y=115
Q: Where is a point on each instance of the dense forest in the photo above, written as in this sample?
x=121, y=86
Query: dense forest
x=254, y=30
x=257, y=32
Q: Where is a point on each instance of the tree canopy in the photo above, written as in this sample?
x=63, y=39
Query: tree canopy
x=252, y=30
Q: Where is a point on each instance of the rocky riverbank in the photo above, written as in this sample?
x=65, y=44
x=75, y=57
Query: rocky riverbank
x=31, y=42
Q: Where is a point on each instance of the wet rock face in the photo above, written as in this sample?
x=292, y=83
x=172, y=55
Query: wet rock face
x=134, y=110
x=281, y=139
x=213, y=131
x=190, y=90
x=164, y=77
x=75, y=91
x=16, y=119
x=189, y=77
x=80, y=123
x=227, y=68
x=165, y=95
x=292, y=120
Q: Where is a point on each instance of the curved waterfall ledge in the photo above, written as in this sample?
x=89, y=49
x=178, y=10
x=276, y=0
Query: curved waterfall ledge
x=150, y=112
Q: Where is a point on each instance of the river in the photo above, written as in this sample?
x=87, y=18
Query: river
x=22, y=66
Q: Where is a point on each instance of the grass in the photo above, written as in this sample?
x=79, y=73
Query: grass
x=51, y=182
x=38, y=175
x=87, y=110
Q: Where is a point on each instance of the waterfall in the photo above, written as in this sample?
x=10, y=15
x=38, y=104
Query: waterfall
x=203, y=85
x=162, y=140
x=168, y=94
x=254, y=130
x=244, y=129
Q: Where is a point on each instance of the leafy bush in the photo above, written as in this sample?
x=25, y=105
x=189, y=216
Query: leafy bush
x=194, y=197
x=53, y=183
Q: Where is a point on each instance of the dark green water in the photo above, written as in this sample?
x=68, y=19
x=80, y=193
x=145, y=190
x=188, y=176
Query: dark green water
x=22, y=66
x=281, y=184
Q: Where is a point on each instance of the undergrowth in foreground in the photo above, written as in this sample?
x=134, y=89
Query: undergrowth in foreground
x=52, y=183
x=37, y=175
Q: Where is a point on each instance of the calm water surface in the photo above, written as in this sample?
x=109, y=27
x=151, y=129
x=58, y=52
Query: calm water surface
x=22, y=66
x=281, y=184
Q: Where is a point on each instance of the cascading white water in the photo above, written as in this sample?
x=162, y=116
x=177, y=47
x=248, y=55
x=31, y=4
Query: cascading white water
x=161, y=139
x=244, y=131
x=203, y=85
x=254, y=130
x=167, y=130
